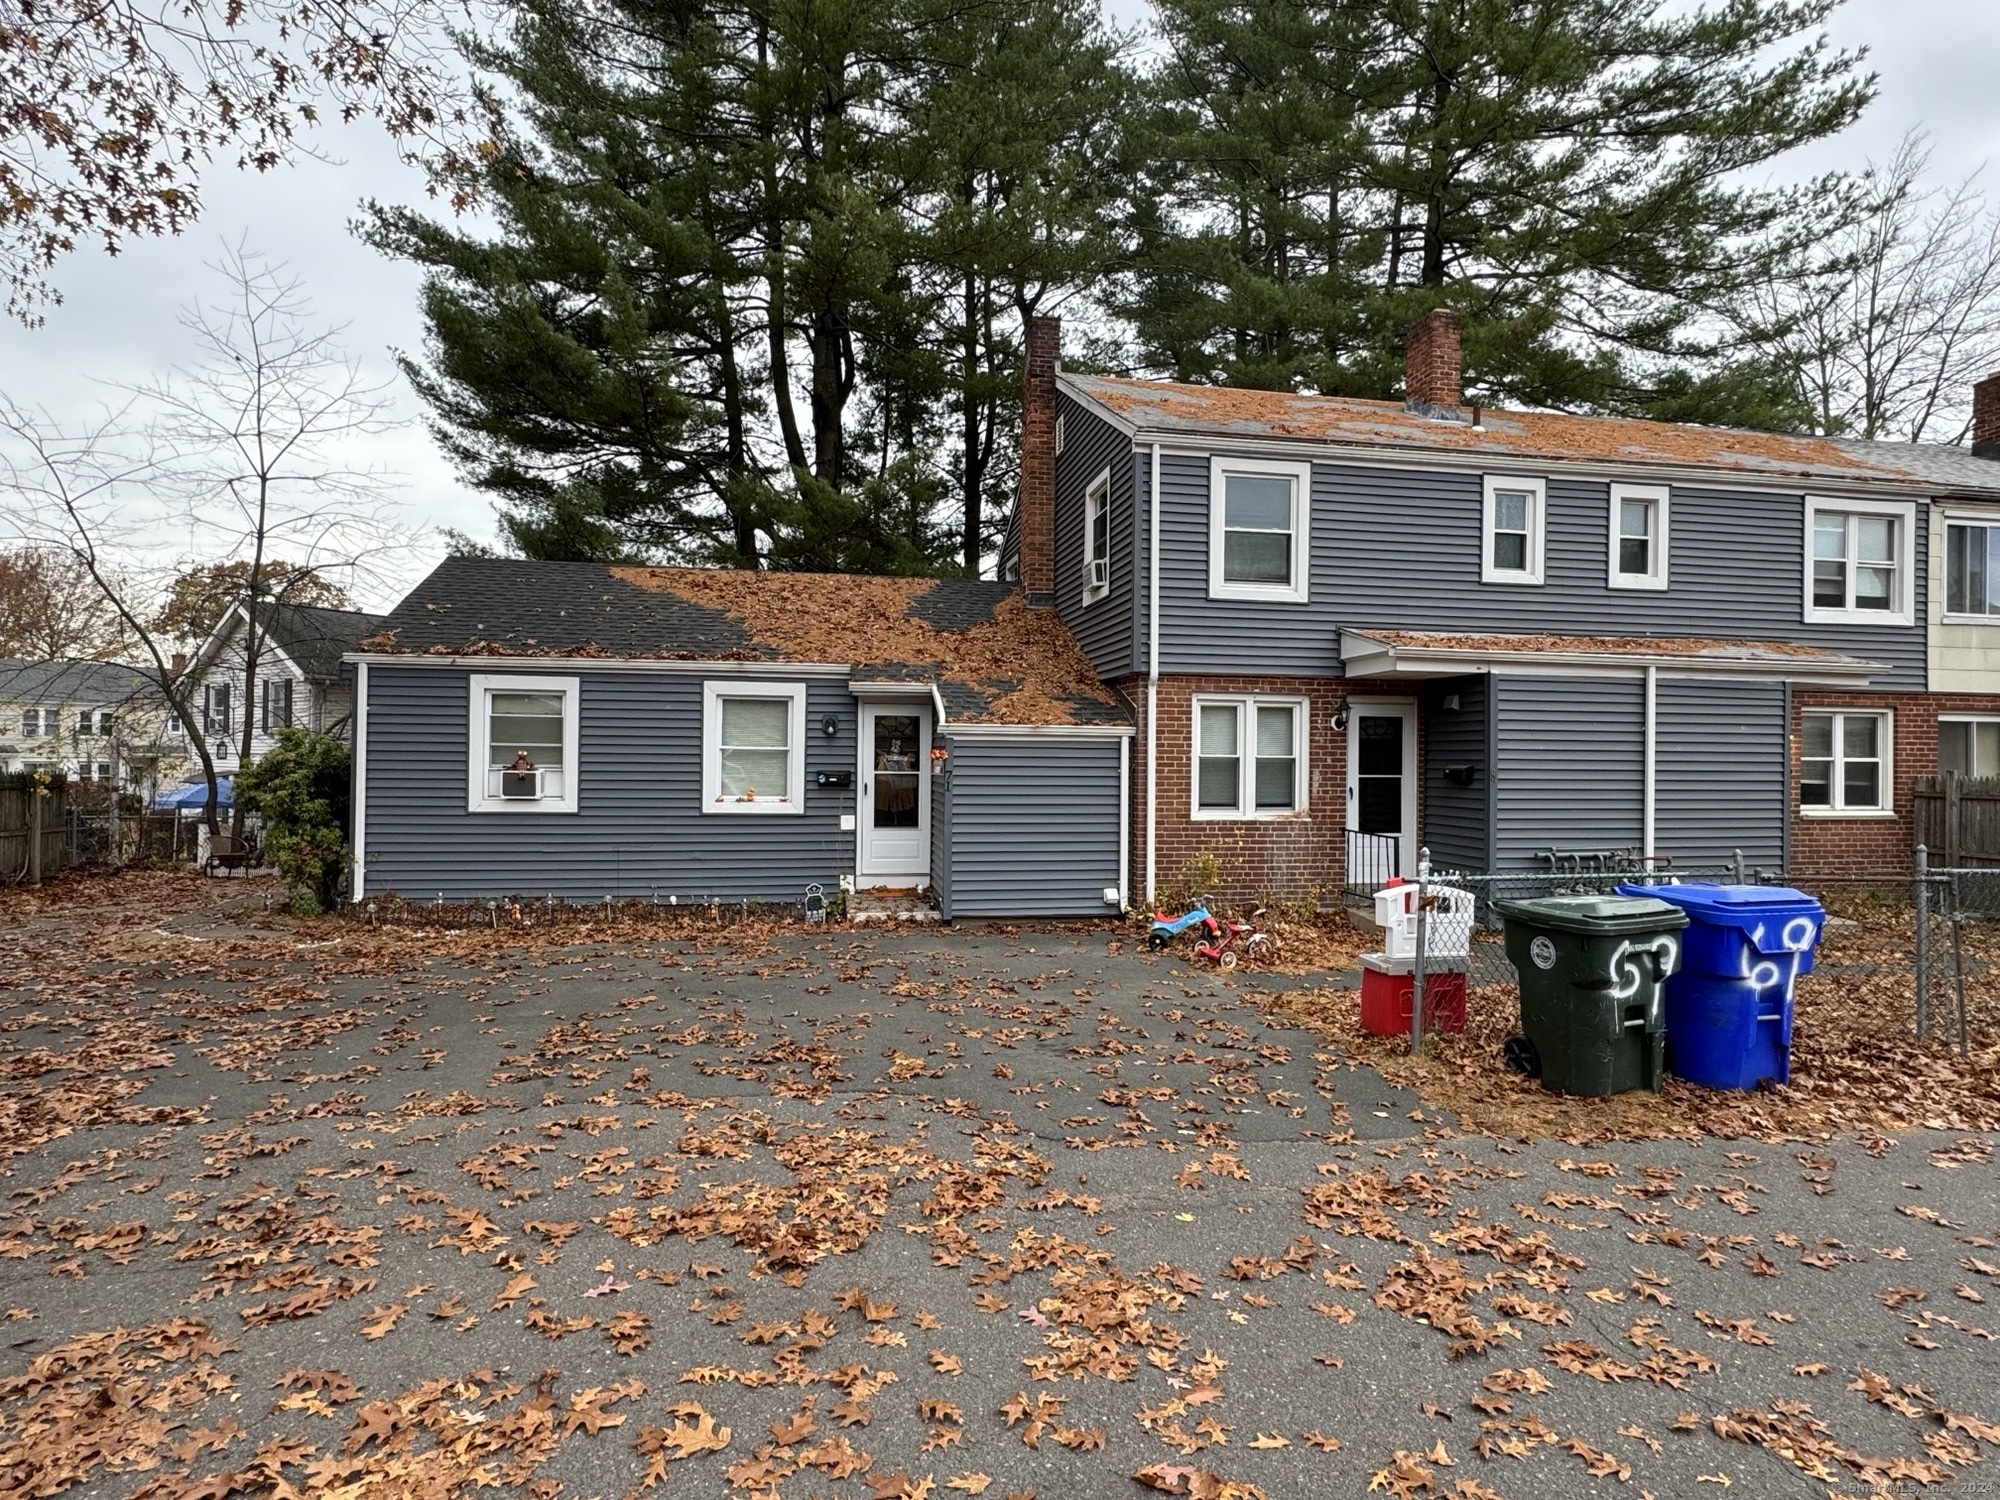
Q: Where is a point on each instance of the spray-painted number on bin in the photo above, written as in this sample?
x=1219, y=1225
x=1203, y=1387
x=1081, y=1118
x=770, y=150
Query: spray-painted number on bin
x=1634, y=966
x=1543, y=952
x=1795, y=938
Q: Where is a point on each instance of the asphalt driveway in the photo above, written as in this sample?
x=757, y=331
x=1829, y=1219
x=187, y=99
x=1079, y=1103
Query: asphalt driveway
x=906, y=1213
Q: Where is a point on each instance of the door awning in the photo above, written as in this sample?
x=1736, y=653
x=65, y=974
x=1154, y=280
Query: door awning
x=1412, y=654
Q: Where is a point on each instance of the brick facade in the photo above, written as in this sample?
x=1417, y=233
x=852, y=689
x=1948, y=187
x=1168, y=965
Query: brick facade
x=1038, y=460
x=1986, y=417
x=1283, y=858
x=1860, y=847
x=1433, y=370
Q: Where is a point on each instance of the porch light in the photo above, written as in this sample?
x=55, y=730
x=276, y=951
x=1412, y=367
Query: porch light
x=1340, y=714
x=829, y=726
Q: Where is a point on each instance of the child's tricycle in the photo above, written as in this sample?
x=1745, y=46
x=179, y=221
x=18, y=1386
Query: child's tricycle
x=1226, y=938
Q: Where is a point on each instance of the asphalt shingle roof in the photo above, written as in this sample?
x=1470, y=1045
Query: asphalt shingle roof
x=990, y=656
x=93, y=684
x=316, y=639
x=1170, y=408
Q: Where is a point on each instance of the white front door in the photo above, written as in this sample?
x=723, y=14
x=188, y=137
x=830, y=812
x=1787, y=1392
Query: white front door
x=1381, y=789
x=895, y=801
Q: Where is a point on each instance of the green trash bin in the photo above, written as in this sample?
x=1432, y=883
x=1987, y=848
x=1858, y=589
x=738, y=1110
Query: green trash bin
x=1593, y=975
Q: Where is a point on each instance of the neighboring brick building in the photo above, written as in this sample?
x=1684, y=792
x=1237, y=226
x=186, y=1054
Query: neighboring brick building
x=1348, y=629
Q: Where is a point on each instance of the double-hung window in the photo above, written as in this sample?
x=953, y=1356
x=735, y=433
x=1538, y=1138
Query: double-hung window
x=1097, y=538
x=277, y=703
x=1638, y=536
x=1511, y=530
x=1259, y=519
x=753, y=747
x=1969, y=746
x=1844, y=762
x=523, y=750
x=33, y=720
x=1249, y=757
x=1859, y=561
x=215, y=708
x=1971, y=569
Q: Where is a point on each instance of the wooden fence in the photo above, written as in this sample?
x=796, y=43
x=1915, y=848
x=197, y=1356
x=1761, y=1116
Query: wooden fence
x=1958, y=821
x=20, y=817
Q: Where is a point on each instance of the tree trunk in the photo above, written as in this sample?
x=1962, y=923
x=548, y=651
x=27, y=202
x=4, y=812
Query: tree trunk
x=831, y=384
x=781, y=370
x=742, y=520
x=973, y=476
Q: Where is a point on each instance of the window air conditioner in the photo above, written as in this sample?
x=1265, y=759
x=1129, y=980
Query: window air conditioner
x=1100, y=573
x=521, y=785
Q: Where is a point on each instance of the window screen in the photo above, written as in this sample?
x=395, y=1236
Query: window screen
x=525, y=721
x=756, y=754
x=1257, y=529
x=1221, y=766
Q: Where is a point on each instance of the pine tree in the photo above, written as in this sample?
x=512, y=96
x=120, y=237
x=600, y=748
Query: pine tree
x=711, y=327
x=1570, y=175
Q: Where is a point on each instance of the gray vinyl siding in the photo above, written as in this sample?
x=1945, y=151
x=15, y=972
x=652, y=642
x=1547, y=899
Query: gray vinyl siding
x=941, y=843
x=1034, y=826
x=1569, y=766
x=1401, y=549
x=638, y=829
x=1457, y=818
x=1104, y=626
x=1720, y=772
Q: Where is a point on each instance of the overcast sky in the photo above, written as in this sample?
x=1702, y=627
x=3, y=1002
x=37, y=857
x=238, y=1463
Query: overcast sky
x=1936, y=59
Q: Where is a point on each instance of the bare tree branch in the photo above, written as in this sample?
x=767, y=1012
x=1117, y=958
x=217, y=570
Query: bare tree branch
x=242, y=456
x=1887, y=335
x=110, y=110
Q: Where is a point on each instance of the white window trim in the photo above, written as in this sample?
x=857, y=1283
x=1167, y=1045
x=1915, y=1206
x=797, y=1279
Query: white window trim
x=1538, y=505
x=794, y=801
x=1246, y=810
x=1942, y=562
x=1887, y=757
x=1655, y=495
x=480, y=684
x=1296, y=592
x=1099, y=492
x=1906, y=562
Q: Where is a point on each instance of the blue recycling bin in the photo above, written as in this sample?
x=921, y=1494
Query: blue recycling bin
x=1729, y=1006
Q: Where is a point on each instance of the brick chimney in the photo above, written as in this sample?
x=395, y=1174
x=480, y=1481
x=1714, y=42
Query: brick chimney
x=180, y=662
x=1986, y=417
x=1038, y=461
x=1431, y=385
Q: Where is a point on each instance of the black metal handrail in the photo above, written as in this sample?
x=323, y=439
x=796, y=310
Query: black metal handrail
x=1373, y=859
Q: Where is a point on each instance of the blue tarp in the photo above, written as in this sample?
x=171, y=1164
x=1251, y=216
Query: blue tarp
x=195, y=795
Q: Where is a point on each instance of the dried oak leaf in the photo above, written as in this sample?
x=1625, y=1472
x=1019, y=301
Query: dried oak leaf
x=694, y=1431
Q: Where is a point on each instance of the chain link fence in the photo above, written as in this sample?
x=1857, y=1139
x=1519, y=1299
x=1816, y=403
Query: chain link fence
x=1450, y=923
x=1955, y=951
x=1915, y=955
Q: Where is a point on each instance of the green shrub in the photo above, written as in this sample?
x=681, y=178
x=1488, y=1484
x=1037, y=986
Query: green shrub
x=303, y=788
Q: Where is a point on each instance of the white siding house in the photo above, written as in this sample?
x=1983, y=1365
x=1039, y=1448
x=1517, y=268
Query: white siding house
x=299, y=680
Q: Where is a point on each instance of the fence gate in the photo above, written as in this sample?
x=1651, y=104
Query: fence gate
x=19, y=816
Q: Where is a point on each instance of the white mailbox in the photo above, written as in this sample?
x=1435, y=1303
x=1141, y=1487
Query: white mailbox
x=1448, y=914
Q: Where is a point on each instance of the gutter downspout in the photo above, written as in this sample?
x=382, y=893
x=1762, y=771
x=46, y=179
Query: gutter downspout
x=1646, y=796
x=1152, y=674
x=1125, y=823
x=359, y=718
